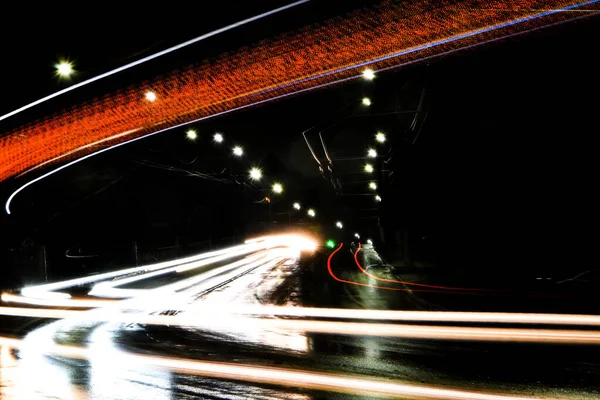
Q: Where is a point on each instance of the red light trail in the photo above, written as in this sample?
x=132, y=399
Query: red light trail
x=381, y=37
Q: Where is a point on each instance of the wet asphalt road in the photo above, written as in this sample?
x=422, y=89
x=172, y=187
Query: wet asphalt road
x=547, y=371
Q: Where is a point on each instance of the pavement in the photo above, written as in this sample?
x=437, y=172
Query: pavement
x=512, y=369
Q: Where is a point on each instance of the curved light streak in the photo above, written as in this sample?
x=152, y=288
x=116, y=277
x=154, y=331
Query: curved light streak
x=314, y=77
x=364, y=271
x=152, y=57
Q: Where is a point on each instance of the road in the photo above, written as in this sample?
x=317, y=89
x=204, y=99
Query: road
x=274, y=319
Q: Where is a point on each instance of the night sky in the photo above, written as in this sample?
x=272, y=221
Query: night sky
x=502, y=176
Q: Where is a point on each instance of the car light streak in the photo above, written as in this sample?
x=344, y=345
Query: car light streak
x=272, y=71
x=280, y=376
x=364, y=271
x=341, y=313
x=39, y=291
x=58, y=302
x=108, y=289
x=394, y=289
x=220, y=320
x=151, y=57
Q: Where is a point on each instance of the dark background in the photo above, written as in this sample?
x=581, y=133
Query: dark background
x=502, y=177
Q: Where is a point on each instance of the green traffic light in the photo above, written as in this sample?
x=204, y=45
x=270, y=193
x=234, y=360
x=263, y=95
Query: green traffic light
x=330, y=243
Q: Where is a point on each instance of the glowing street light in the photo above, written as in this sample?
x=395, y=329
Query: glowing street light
x=378, y=198
x=330, y=243
x=311, y=212
x=277, y=188
x=369, y=168
x=297, y=206
x=218, y=138
x=369, y=241
x=339, y=224
x=64, y=69
x=238, y=151
x=150, y=96
x=373, y=186
x=356, y=235
x=366, y=101
x=191, y=134
x=368, y=74
x=372, y=153
x=380, y=137
x=255, y=174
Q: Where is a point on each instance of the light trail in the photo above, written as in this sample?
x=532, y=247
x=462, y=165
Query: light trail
x=341, y=313
x=109, y=289
x=364, y=271
x=152, y=57
x=40, y=291
x=393, y=289
x=219, y=105
x=58, y=302
x=221, y=320
x=280, y=376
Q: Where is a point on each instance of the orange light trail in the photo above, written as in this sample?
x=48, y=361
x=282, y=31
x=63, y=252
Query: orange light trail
x=282, y=376
x=382, y=37
x=220, y=321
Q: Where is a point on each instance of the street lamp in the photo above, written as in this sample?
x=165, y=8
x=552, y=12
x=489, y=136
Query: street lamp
x=356, y=235
x=150, y=96
x=218, y=138
x=369, y=168
x=64, y=69
x=373, y=186
x=366, y=101
x=380, y=137
x=277, y=188
x=372, y=153
x=255, y=174
x=311, y=212
x=191, y=134
x=368, y=74
x=369, y=241
x=238, y=151
x=378, y=198
x=297, y=206
x=339, y=224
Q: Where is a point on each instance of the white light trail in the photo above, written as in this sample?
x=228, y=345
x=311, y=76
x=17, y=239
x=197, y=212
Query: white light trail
x=36, y=291
x=151, y=57
x=221, y=319
x=110, y=289
x=360, y=314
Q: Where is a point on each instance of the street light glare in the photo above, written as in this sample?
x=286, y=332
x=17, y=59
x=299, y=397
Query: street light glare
x=339, y=224
x=238, y=151
x=64, y=69
x=380, y=137
x=368, y=74
x=372, y=153
x=255, y=174
x=150, y=96
x=311, y=213
x=218, y=138
x=373, y=186
x=369, y=241
x=191, y=134
x=369, y=168
x=366, y=101
x=297, y=206
x=377, y=198
x=356, y=235
x=277, y=188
